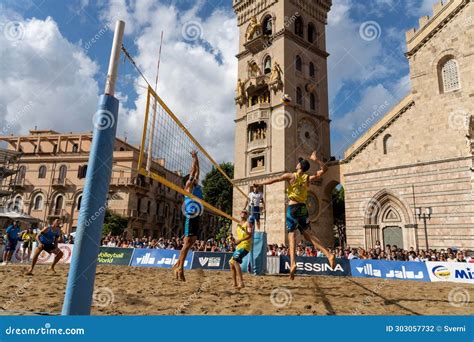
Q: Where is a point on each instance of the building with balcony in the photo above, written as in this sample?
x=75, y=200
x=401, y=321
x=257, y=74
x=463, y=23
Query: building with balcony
x=50, y=179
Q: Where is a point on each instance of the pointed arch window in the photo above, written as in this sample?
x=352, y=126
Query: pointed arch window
x=449, y=74
x=387, y=144
x=298, y=63
x=299, y=96
x=299, y=31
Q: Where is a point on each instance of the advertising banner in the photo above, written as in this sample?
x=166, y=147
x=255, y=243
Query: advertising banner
x=115, y=256
x=209, y=261
x=316, y=266
x=44, y=257
x=459, y=272
x=164, y=258
x=405, y=270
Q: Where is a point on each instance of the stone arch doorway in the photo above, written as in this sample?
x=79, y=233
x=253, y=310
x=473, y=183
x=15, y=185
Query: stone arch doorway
x=388, y=219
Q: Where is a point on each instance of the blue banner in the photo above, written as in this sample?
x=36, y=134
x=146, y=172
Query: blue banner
x=164, y=258
x=403, y=270
x=260, y=328
x=209, y=260
x=316, y=266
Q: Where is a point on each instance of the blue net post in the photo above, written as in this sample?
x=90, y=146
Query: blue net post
x=80, y=282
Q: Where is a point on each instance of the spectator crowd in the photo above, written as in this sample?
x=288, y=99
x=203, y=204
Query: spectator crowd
x=389, y=252
x=378, y=252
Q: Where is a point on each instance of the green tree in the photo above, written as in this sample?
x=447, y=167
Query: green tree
x=114, y=224
x=339, y=214
x=217, y=191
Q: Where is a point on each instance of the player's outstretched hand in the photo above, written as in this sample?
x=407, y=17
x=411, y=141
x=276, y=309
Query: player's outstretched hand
x=194, y=154
x=314, y=156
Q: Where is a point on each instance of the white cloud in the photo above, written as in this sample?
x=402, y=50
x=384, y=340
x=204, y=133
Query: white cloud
x=197, y=80
x=45, y=80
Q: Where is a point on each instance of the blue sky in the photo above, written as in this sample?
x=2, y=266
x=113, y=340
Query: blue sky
x=54, y=55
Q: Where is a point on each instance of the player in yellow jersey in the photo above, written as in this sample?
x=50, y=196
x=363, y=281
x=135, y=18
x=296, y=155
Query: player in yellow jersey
x=244, y=246
x=297, y=212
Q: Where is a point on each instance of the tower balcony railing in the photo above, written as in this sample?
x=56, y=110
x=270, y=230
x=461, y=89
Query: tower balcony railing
x=257, y=143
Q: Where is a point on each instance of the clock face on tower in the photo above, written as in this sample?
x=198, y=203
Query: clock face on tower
x=308, y=137
x=312, y=204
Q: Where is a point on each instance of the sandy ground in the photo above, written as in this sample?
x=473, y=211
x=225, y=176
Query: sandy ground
x=152, y=291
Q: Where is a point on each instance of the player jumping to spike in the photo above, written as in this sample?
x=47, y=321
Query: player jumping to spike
x=297, y=212
x=244, y=245
x=193, y=210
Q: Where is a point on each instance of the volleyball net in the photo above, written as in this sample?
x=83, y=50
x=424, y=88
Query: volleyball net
x=166, y=146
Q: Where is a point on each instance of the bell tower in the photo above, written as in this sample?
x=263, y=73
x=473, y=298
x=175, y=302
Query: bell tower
x=282, y=104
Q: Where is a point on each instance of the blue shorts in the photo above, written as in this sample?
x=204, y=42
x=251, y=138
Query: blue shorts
x=239, y=255
x=255, y=213
x=191, y=226
x=297, y=217
x=10, y=246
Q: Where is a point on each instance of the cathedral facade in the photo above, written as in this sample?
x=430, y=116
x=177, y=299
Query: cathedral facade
x=416, y=164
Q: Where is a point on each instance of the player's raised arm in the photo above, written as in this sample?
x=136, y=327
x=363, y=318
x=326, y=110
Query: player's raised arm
x=323, y=167
x=285, y=177
x=193, y=173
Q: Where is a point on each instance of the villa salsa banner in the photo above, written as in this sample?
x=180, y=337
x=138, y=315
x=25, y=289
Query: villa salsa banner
x=316, y=266
x=115, y=256
x=403, y=270
x=164, y=258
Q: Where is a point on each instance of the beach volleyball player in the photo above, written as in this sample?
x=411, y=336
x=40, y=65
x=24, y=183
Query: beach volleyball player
x=243, y=247
x=297, y=217
x=193, y=210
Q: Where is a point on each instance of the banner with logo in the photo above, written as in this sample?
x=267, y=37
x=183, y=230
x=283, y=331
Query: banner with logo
x=209, y=261
x=164, y=258
x=115, y=256
x=44, y=257
x=459, y=272
x=316, y=266
x=405, y=270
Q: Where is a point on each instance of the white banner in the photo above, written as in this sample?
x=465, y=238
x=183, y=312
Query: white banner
x=44, y=257
x=459, y=272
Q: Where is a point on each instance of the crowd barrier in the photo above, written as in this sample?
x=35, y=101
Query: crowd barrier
x=379, y=269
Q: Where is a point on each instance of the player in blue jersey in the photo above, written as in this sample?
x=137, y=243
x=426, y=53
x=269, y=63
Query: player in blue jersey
x=192, y=209
x=48, y=239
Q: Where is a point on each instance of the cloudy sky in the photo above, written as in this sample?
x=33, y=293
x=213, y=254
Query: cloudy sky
x=54, y=56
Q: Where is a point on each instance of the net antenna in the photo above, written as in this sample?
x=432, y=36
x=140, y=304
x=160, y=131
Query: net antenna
x=150, y=144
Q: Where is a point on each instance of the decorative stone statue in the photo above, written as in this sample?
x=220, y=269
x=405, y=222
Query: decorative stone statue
x=276, y=82
x=254, y=28
x=240, y=92
x=254, y=69
x=276, y=73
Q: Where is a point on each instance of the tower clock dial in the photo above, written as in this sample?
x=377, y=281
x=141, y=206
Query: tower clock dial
x=308, y=136
x=313, y=205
